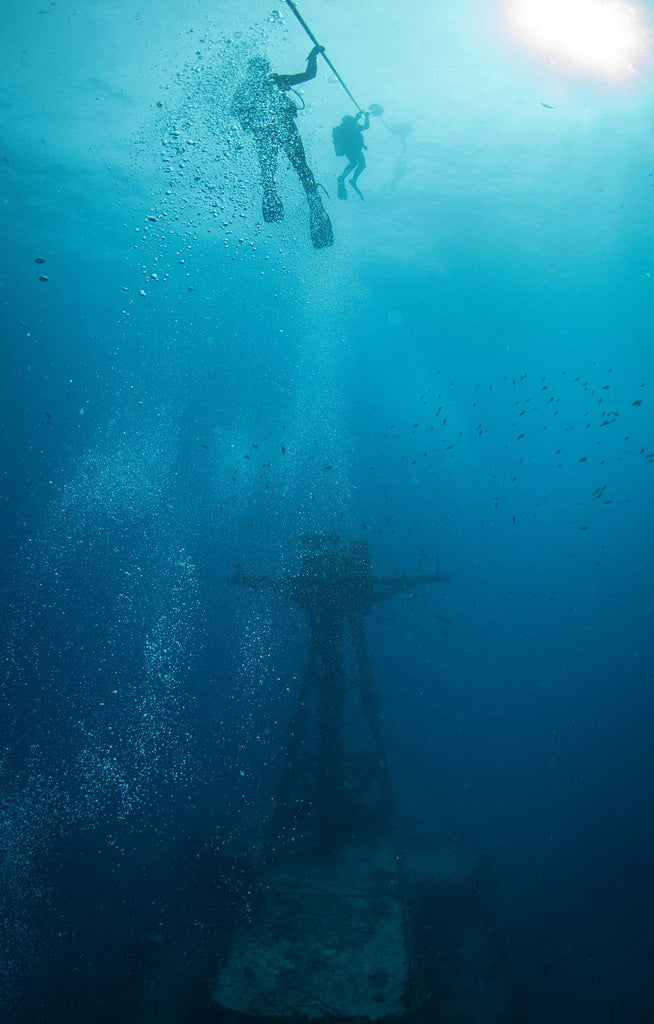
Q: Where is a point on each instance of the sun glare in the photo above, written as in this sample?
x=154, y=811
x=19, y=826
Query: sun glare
x=602, y=37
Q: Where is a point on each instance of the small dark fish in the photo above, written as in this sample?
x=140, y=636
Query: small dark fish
x=547, y=106
x=520, y=437
x=43, y=278
x=327, y=467
x=204, y=446
x=283, y=450
x=584, y=458
x=39, y=259
x=638, y=401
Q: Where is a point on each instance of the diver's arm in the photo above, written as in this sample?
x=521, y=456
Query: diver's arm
x=285, y=82
x=366, y=120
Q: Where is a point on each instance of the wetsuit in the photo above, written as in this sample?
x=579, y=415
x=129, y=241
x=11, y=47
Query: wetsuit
x=269, y=115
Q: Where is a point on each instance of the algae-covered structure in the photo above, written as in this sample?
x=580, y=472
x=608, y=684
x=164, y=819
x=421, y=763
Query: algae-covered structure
x=358, y=919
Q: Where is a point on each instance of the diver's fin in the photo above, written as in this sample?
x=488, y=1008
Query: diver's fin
x=357, y=189
x=322, y=233
x=341, y=190
x=272, y=206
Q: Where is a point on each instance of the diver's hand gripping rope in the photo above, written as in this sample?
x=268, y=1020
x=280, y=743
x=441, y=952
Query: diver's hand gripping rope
x=322, y=50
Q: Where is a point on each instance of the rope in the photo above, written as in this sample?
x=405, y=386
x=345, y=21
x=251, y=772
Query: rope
x=316, y=43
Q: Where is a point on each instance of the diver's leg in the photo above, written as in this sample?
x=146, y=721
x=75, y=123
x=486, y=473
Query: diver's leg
x=272, y=206
x=319, y=223
x=360, y=166
x=295, y=152
x=341, y=191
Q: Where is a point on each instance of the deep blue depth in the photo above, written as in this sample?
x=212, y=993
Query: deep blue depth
x=465, y=377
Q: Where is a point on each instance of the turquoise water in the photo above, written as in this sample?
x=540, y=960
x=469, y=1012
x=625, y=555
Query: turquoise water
x=464, y=376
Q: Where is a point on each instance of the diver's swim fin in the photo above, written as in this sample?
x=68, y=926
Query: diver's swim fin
x=272, y=206
x=322, y=233
x=357, y=189
x=341, y=190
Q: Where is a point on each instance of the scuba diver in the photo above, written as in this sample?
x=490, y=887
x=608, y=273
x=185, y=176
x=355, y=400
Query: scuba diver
x=265, y=111
x=348, y=141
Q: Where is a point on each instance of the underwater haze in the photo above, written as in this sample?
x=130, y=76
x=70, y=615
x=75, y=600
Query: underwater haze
x=464, y=378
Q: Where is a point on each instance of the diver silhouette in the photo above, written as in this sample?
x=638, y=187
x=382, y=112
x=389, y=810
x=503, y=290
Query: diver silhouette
x=348, y=141
x=265, y=111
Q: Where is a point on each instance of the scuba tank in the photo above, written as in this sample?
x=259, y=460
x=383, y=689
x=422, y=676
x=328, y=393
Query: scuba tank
x=339, y=138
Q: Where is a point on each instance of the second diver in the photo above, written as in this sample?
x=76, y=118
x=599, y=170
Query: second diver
x=348, y=141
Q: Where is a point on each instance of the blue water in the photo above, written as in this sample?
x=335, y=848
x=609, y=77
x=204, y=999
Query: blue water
x=465, y=376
